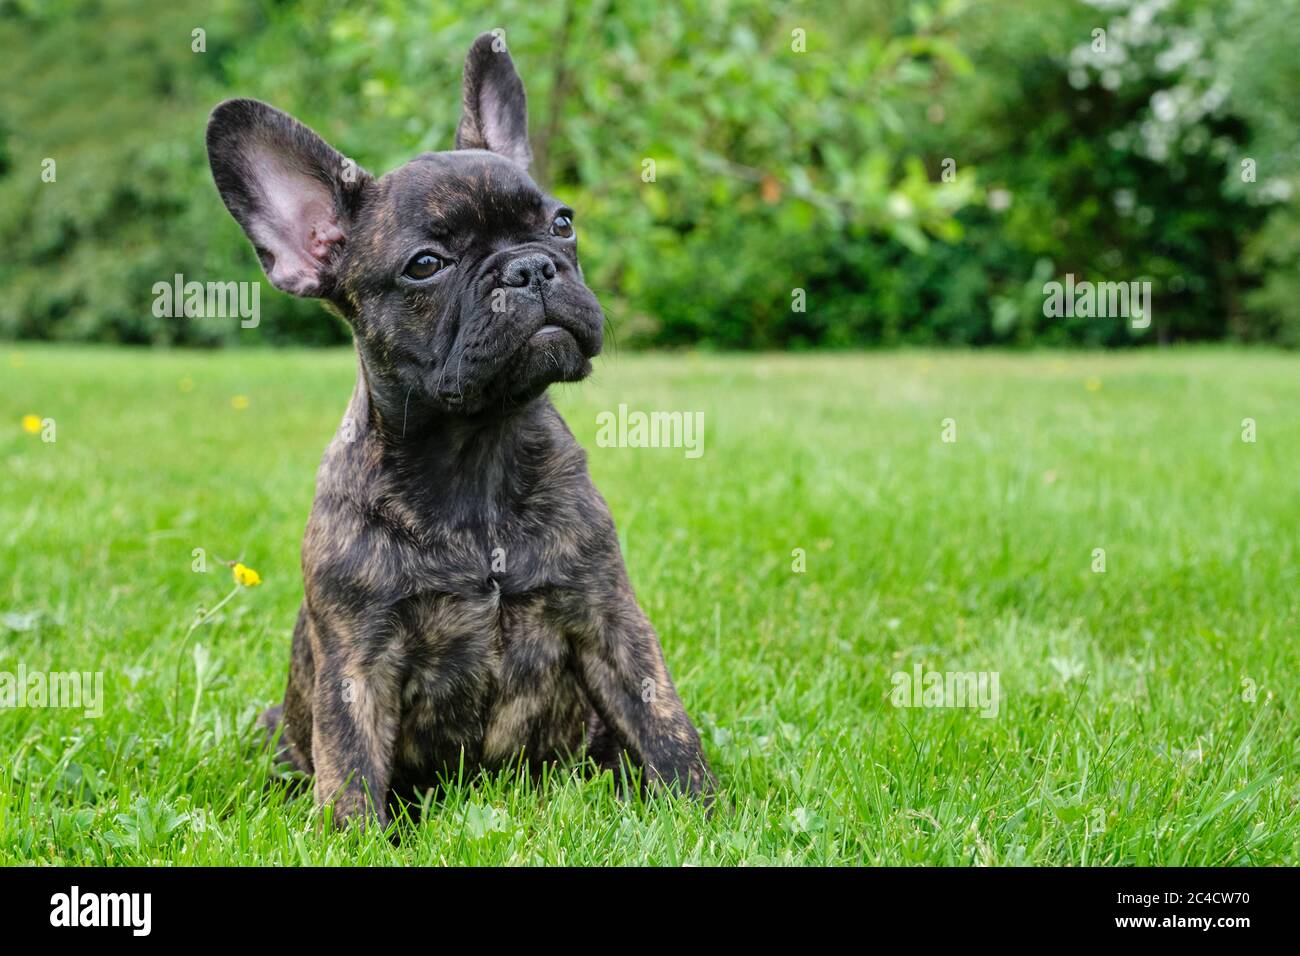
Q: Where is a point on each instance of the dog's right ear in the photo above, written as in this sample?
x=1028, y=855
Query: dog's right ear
x=294, y=194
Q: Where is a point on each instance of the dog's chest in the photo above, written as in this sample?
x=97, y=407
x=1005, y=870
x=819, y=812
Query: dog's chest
x=489, y=675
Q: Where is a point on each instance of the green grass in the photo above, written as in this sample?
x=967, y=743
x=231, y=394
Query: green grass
x=1126, y=733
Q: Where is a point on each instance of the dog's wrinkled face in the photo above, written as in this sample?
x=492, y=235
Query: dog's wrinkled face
x=458, y=274
x=465, y=276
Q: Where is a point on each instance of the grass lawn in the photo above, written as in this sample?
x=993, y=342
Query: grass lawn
x=1146, y=713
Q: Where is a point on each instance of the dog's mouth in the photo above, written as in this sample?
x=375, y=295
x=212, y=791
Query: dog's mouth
x=559, y=330
x=516, y=356
x=557, y=351
x=550, y=332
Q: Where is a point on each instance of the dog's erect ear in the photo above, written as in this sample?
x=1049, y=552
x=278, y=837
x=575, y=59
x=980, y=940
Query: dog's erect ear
x=295, y=195
x=495, y=110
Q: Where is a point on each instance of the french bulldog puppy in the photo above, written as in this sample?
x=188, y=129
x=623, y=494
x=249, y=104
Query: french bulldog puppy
x=465, y=598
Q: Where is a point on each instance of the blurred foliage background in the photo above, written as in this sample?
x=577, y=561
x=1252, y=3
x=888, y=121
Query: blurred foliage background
x=918, y=169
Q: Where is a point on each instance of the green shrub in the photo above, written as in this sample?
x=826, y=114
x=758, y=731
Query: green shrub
x=915, y=172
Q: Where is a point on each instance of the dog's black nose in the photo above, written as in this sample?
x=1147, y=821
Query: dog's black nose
x=534, y=267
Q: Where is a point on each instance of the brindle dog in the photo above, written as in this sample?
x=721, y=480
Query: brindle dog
x=465, y=598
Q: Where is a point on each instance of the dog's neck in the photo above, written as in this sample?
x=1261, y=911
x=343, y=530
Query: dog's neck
x=480, y=464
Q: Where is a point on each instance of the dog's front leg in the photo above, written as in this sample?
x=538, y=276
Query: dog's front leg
x=627, y=682
x=355, y=720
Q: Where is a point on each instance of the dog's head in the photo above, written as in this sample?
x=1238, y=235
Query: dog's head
x=458, y=274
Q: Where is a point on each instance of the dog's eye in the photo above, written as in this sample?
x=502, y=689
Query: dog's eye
x=562, y=227
x=423, y=266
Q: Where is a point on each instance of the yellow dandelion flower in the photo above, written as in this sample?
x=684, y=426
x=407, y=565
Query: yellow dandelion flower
x=1092, y=384
x=239, y=402
x=31, y=424
x=247, y=576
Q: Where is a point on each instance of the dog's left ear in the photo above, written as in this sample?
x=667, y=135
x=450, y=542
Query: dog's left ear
x=495, y=111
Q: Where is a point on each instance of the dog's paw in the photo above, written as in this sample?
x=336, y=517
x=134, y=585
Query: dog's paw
x=352, y=808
